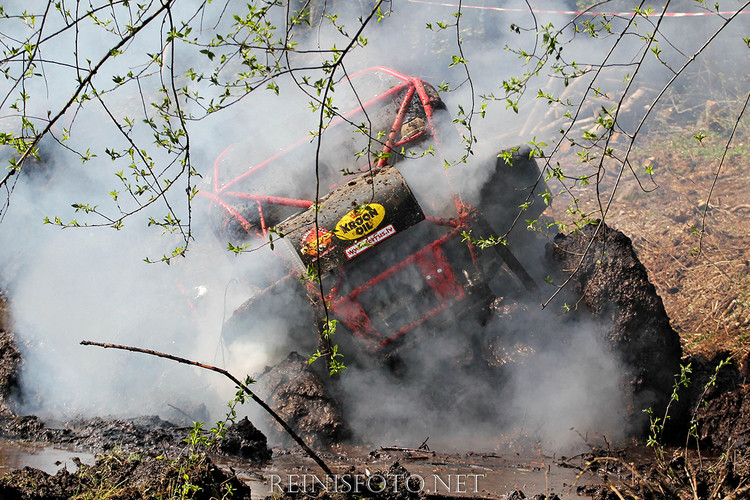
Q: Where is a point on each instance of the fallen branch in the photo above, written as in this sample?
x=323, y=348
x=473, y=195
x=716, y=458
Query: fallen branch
x=231, y=377
x=406, y=450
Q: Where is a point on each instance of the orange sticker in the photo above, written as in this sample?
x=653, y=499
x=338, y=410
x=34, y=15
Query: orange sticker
x=319, y=246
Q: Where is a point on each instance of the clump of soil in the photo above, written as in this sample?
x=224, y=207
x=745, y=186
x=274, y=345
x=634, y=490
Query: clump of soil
x=26, y=428
x=614, y=286
x=126, y=476
x=696, y=247
x=724, y=421
x=100, y=434
x=244, y=440
x=301, y=399
x=4, y=313
x=148, y=432
x=519, y=495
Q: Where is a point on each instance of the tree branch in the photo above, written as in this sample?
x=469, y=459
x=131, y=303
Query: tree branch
x=231, y=377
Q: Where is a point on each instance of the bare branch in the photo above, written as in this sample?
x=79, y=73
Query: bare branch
x=231, y=377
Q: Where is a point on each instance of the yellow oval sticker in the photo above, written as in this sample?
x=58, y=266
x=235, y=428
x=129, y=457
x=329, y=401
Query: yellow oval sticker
x=359, y=222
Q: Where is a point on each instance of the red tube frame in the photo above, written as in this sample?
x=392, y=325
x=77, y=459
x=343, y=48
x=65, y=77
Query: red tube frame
x=347, y=307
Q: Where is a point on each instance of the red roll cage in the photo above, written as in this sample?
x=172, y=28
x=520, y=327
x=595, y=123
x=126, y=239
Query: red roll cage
x=447, y=280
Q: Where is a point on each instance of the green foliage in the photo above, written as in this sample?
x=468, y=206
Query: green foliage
x=201, y=442
x=482, y=243
x=656, y=424
x=334, y=357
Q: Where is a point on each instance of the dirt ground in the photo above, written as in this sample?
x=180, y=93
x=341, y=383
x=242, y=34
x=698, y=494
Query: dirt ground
x=697, y=254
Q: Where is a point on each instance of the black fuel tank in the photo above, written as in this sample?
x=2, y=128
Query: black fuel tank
x=353, y=218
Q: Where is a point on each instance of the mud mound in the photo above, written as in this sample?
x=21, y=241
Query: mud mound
x=126, y=476
x=27, y=428
x=725, y=420
x=244, y=440
x=32, y=484
x=102, y=434
x=299, y=396
x=395, y=483
x=702, y=370
x=10, y=357
x=613, y=284
x=131, y=435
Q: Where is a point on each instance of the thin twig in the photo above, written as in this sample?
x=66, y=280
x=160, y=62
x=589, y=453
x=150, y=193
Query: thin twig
x=85, y=82
x=231, y=377
x=718, y=171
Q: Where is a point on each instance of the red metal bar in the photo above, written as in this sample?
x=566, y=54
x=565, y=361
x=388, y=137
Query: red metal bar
x=382, y=69
x=464, y=215
x=423, y=319
x=401, y=265
x=443, y=222
x=438, y=274
x=396, y=127
x=260, y=165
x=370, y=103
x=262, y=218
x=410, y=139
x=217, y=169
x=231, y=211
x=407, y=81
x=272, y=200
x=424, y=97
x=355, y=317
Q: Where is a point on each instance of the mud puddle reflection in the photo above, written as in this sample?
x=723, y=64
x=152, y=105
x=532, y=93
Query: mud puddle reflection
x=47, y=458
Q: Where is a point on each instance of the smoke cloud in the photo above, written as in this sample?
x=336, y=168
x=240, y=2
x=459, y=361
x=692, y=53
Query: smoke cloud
x=92, y=283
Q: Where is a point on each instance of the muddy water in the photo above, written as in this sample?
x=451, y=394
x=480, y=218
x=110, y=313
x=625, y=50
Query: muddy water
x=449, y=474
x=468, y=474
x=46, y=458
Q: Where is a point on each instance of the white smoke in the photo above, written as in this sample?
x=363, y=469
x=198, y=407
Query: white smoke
x=75, y=284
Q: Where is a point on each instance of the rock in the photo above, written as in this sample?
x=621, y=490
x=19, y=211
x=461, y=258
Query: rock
x=614, y=286
x=301, y=399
